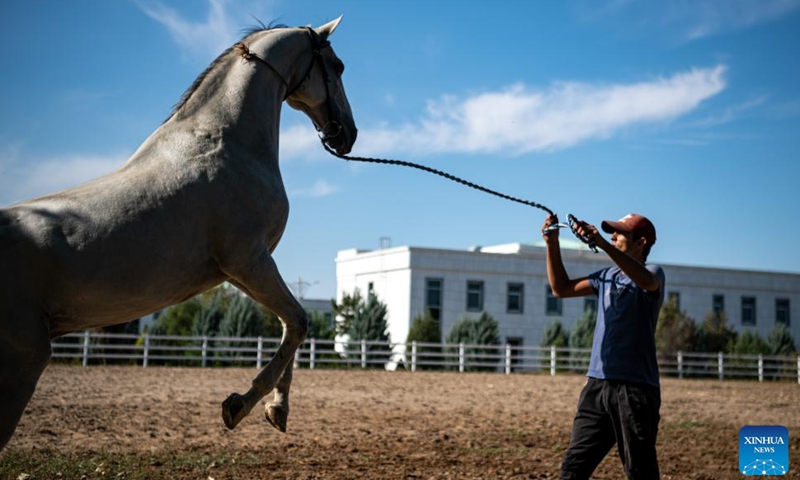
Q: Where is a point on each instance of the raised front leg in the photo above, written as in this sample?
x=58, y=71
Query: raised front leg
x=263, y=282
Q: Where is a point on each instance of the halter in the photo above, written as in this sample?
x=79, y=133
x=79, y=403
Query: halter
x=317, y=45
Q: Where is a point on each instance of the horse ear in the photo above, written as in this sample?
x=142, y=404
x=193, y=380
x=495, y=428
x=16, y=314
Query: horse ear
x=326, y=30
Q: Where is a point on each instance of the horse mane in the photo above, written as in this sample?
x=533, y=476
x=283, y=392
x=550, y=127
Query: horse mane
x=199, y=80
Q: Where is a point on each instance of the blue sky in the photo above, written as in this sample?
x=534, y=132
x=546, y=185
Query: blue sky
x=685, y=111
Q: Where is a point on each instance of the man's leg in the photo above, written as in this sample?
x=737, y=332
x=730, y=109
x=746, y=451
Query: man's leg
x=592, y=434
x=635, y=415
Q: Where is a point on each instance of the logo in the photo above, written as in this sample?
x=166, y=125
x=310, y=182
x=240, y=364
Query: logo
x=763, y=450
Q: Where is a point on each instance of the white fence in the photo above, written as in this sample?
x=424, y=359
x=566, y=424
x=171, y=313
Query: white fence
x=102, y=348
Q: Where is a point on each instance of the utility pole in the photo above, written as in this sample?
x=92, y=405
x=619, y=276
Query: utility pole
x=300, y=287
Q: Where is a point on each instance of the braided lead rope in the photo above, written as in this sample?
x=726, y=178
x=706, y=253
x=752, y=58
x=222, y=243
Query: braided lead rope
x=441, y=174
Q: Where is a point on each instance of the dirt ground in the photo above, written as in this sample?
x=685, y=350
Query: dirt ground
x=377, y=424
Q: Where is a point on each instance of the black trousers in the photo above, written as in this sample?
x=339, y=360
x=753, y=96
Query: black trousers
x=612, y=412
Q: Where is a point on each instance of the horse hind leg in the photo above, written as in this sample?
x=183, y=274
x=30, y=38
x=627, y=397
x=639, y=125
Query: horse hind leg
x=276, y=412
x=263, y=282
x=24, y=353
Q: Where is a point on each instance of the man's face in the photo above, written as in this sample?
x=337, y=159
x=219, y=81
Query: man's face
x=624, y=242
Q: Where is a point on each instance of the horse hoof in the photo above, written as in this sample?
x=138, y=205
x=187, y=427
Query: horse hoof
x=277, y=417
x=233, y=410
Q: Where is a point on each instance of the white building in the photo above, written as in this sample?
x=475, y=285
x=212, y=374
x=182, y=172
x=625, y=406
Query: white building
x=510, y=283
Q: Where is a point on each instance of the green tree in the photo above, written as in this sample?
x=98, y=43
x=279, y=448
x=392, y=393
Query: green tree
x=483, y=331
x=212, y=311
x=750, y=343
x=369, y=323
x=320, y=327
x=323, y=331
x=346, y=310
x=242, y=319
x=780, y=341
x=177, y=319
x=424, y=329
x=556, y=336
x=676, y=330
x=462, y=331
x=582, y=336
x=714, y=335
x=487, y=330
x=582, y=333
x=271, y=325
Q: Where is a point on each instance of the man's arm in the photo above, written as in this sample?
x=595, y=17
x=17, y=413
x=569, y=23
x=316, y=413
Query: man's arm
x=560, y=283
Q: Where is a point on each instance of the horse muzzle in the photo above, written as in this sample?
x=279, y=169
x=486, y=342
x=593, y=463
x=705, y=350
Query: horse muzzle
x=339, y=137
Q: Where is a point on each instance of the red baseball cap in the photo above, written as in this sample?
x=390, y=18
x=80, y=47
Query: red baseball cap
x=633, y=223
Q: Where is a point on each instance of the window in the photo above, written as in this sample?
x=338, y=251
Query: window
x=782, y=311
x=718, y=305
x=474, y=295
x=748, y=310
x=552, y=303
x=433, y=297
x=515, y=298
x=676, y=296
x=590, y=303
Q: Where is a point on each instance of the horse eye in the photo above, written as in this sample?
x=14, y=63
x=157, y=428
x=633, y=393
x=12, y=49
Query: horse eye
x=339, y=67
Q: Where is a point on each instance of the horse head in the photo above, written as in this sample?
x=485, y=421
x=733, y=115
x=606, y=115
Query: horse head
x=320, y=94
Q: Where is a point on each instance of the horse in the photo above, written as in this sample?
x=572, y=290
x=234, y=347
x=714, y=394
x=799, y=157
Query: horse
x=200, y=202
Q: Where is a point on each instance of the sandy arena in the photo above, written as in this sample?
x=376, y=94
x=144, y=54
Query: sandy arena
x=371, y=424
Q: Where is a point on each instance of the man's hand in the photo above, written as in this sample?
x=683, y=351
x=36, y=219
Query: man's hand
x=549, y=235
x=591, y=234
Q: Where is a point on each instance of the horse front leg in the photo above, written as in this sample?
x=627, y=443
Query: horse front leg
x=263, y=282
x=24, y=353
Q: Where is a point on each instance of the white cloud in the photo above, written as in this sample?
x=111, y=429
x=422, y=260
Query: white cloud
x=298, y=141
x=520, y=119
x=704, y=18
x=207, y=38
x=320, y=189
x=50, y=176
x=731, y=113
x=689, y=20
x=204, y=39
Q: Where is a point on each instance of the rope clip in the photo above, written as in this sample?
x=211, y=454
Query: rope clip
x=572, y=224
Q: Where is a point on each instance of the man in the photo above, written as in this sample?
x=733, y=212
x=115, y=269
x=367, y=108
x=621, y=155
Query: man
x=621, y=399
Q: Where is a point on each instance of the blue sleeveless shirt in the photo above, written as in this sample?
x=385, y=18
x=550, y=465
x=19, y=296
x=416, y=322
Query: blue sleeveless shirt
x=624, y=345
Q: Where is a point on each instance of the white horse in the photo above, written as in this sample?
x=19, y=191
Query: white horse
x=200, y=202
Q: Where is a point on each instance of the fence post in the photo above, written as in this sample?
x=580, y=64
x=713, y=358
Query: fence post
x=508, y=359
x=146, y=353
x=86, y=348
x=552, y=360
x=259, y=354
x=680, y=364
x=760, y=367
x=363, y=353
x=462, y=361
x=312, y=353
x=205, y=351
x=721, y=366
x=414, y=356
